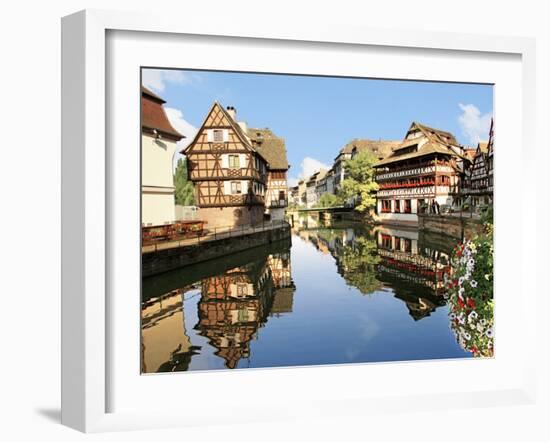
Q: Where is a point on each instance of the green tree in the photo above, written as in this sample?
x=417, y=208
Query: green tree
x=359, y=183
x=185, y=195
x=358, y=264
x=329, y=200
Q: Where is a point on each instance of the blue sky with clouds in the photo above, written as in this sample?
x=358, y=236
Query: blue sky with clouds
x=318, y=115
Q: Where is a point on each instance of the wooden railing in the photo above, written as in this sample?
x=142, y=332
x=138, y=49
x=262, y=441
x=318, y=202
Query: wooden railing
x=212, y=234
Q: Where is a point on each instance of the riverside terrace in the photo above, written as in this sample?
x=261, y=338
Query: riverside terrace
x=170, y=253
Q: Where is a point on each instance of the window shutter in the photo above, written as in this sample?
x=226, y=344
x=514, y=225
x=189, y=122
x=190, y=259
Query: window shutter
x=227, y=187
x=225, y=135
x=209, y=135
x=244, y=187
x=225, y=161
x=242, y=160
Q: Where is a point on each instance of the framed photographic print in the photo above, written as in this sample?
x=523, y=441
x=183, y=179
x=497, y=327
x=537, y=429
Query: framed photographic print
x=317, y=215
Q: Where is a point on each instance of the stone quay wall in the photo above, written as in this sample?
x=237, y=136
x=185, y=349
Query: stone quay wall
x=450, y=225
x=159, y=261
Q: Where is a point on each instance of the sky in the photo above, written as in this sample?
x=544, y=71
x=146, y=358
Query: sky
x=317, y=116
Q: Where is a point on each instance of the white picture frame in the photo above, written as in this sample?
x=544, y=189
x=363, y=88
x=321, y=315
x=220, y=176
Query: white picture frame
x=87, y=211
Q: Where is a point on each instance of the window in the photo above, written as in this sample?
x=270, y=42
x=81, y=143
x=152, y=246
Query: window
x=397, y=243
x=385, y=241
x=386, y=206
x=397, y=208
x=235, y=187
x=407, y=245
x=242, y=290
x=217, y=135
x=281, y=195
x=234, y=162
x=407, y=206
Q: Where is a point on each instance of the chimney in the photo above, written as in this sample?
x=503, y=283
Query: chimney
x=232, y=112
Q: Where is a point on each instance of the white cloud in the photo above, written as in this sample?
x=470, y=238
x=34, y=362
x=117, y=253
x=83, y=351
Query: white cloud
x=308, y=167
x=474, y=124
x=156, y=79
x=183, y=127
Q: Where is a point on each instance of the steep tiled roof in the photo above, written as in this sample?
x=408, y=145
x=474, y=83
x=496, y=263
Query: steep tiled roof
x=153, y=116
x=380, y=148
x=435, y=141
x=271, y=147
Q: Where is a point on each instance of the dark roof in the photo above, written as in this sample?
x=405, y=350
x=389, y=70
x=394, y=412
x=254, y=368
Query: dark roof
x=153, y=115
x=380, y=148
x=443, y=136
x=438, y=142
x=271, y=147
x=427, y=149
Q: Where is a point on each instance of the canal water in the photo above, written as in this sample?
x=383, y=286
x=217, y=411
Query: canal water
x=331, y=295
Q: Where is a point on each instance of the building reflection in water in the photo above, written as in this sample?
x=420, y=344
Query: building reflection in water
x=415, y=269
x=210, y=315
x=233, y=306
x=412, y=264
x=170, y=350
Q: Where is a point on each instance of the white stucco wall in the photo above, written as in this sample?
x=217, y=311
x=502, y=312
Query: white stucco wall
x=157, y=208
x=276, y=213
x=157, y=182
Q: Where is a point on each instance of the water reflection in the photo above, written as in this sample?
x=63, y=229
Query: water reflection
x=255, y=309
x=233, y=305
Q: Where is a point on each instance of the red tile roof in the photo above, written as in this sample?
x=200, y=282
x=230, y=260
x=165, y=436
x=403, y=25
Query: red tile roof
x=153, y=116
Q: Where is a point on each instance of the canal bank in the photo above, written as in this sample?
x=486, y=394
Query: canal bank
x=163, y=257
x=450, y=225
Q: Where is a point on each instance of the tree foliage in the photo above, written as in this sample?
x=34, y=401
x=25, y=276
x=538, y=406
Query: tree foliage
x=359, y=183
x=358, y=264
x=329, y=200
x=185, y=195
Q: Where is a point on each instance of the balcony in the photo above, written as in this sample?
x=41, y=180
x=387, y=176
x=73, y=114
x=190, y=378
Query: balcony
x=277, y=203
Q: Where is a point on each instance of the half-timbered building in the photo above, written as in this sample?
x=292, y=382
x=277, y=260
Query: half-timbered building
x=490, y=158
x=421, y=174
x=272, y=149
x=229, y=175
x=479, y=178
x=158, y=145
x=233, y=307
x=312, y=195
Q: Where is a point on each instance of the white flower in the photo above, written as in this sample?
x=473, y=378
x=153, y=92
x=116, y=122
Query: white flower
x=461, y=320
x=452, y=316
x=461, y=280
x=471, y=262
x=473, y=283
x=483, y=322
x=461, y=292
x=467, y=336
x=472, y=316
x=489, y=332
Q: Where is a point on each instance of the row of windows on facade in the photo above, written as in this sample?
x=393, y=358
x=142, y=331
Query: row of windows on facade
x=402, y=206
x=441, y=180
x=402, y=244
x=240, y=187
